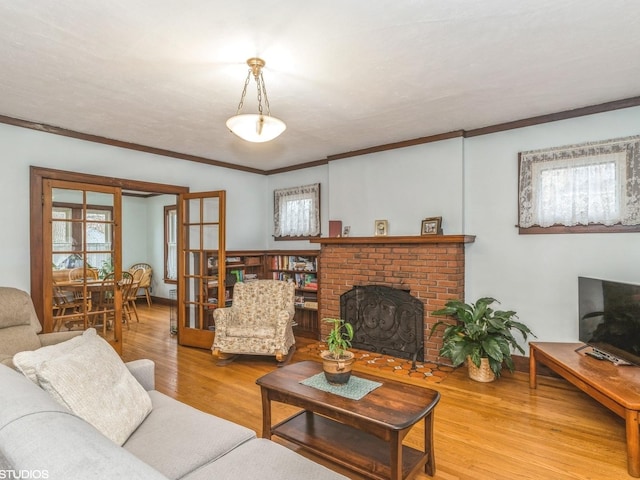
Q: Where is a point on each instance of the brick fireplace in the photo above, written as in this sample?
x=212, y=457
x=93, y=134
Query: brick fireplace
x=431, y=268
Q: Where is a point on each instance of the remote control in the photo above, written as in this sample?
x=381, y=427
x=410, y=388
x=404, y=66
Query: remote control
x=595, y=355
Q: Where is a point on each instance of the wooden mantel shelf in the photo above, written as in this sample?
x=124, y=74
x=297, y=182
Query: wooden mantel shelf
x=386, y=239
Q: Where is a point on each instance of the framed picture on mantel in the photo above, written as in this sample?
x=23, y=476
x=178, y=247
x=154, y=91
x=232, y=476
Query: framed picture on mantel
x=381, y=228
x=431, y=226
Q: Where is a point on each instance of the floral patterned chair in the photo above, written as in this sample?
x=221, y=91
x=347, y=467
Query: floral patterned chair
x=259, y=322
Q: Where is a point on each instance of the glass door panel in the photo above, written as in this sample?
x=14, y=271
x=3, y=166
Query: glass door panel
x=85, y=258
x=202, y=251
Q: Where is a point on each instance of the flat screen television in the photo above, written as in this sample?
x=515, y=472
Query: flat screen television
x=609, y=319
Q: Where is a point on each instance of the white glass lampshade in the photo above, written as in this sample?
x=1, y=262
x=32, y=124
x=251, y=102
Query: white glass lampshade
x=256, y=128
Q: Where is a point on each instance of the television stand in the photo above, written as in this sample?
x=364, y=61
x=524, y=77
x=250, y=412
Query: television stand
x=615, y=387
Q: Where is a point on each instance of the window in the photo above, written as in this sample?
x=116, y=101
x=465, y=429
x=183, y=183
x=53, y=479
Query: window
x=68, y=237
x=99, y=234
x=593, y=187
x=171, y=243
x=297, y=212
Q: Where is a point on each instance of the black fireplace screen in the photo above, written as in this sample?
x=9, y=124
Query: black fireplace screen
x=386, y=320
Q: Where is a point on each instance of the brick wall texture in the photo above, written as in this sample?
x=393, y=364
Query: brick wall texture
x=434, y=273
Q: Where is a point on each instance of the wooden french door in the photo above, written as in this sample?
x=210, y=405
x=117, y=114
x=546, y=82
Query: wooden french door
x=82, y=246
x=201, y=265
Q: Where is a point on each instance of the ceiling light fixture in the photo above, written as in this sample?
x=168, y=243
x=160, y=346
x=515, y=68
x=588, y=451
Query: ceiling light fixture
x=256, y=127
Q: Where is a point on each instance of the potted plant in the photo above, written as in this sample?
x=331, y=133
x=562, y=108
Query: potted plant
x=481, y=337
x=338, y=360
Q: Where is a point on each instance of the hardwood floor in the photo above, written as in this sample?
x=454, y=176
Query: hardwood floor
x=501, y=430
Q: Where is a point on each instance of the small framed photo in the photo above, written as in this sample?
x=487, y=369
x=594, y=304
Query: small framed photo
x=381, y=228
x=346, y=231
x=431, y=226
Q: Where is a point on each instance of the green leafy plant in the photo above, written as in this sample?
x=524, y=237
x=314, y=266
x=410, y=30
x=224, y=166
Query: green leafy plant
x=480, y=332
x=106, y=268
x=339, y=338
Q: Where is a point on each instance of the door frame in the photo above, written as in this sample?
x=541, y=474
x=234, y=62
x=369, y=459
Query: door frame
x=37, y=175
x=199, y=336
x=79, y=224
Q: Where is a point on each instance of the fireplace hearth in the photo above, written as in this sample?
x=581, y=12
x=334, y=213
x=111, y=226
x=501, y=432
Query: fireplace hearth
x=385, y=320
x=431, y=267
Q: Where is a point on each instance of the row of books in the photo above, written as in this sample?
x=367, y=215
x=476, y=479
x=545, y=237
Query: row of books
x=310, y=303
x=242, y=276
x=302, y=280
x=294, y=262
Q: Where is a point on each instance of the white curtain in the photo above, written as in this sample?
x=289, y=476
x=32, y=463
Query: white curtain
x=596, y=183
x=172, y=246
x=297, y=211
x=172, y=261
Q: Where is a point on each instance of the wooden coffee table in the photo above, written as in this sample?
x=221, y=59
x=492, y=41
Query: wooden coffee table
x=362, y=435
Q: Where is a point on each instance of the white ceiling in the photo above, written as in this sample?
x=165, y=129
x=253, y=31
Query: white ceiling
x=343, y=74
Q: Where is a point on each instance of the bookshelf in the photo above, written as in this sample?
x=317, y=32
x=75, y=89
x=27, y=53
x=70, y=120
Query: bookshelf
x=301, y=268
x=240, y=266
x=296, y=266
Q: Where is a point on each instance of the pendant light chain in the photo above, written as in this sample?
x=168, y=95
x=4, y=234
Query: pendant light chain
x=244, y=92
x=260, y=127
x=260, y=86
x=264, y=93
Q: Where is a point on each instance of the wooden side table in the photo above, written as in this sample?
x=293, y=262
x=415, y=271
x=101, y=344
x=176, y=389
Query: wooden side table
x=615, y=387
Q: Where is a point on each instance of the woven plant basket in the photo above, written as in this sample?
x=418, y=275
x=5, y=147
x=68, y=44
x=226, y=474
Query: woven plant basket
x=480, y=374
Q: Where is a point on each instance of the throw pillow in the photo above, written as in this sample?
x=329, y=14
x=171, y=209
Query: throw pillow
x=94, y=383
x=28, y=362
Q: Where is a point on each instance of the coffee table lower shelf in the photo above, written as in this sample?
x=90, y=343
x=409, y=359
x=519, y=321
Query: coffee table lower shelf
x=346, y=445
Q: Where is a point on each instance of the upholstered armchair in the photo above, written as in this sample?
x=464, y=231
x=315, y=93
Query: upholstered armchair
x=20, y=328
x=259, y=322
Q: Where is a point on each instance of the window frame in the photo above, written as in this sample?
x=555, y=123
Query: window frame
x=74, y=229
x=295, y=191
x=629, y=145
x=167, y=231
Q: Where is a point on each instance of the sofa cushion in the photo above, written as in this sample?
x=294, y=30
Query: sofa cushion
x=176, y=439
x=29, y=362
x=4, y=463
x=17, y=339
x=265, y=460
x=251, y=332
x=38, y=434
x=93, y=382
x=16, y=307
x=61, y=446
x=19, y=397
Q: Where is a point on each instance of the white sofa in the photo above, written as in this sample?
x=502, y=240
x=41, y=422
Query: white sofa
x=174, y=441
x=20, y=328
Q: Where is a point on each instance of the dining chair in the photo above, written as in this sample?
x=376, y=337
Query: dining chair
x=127, y=285
x=145, y=281
x=67, y=309
x=81, y=273
x=103, y=305
x=130, y=300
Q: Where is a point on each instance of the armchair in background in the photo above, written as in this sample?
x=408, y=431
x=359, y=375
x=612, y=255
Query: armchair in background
x=20, y=328
x=259, y=322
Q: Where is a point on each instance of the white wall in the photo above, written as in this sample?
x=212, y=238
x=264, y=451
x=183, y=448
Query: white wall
x=537, y=275
x=155, y=243
x=471, y=183
x=402, y=186
x=22, y=148
x=135, y=227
